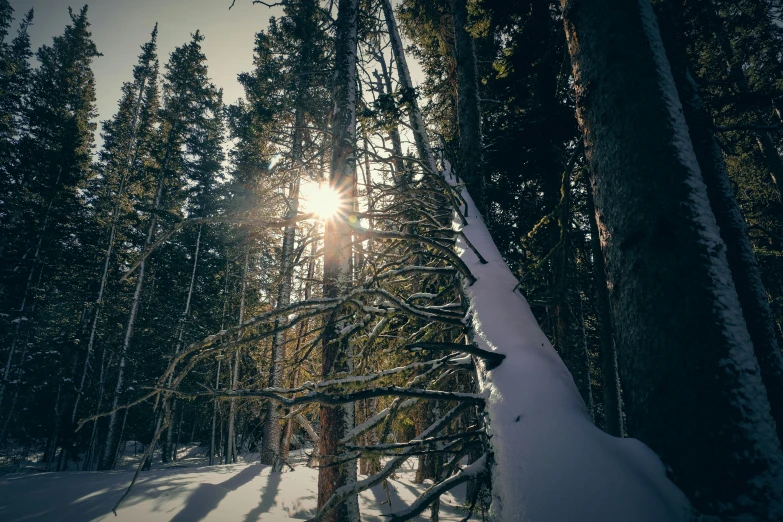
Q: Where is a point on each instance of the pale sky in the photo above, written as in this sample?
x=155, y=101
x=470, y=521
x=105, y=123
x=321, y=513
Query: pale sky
x=120, y=27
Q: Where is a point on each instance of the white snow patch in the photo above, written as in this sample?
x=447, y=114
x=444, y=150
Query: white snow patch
x=550, y=461
x=246, y=492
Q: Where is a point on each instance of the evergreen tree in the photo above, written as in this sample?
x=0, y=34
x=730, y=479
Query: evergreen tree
x=44, y=267
x=15, y=73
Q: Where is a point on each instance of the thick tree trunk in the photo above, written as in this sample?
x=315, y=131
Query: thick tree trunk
x=468, y=107
x=108, y=455
x=693, y=390
x=733, y=228
x=613, y=411
x=338, y=269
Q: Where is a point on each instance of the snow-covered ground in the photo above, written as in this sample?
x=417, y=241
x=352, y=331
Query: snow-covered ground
x=190, y=491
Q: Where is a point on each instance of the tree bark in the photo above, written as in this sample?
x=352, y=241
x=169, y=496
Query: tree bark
x=613, y=412
x=230, y=455
x=270, y=449
x=108, y=455
x=733, y=228
x=693, y=390
x=338, y=255
x=416, y=121
x=468, y=107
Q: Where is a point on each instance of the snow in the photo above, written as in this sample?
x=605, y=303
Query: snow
x=188, y=491
x=550, y=461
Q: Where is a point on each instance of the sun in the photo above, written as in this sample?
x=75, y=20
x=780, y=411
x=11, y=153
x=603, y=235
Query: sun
x=322, y=200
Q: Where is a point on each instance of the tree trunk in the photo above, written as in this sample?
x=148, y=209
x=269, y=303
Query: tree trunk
x=314, y=438
x=98, y=303
x=416, y=121
x=180, y=345
x=92, y=453
x=110, y=244
x=270, y=449
x=230, y=455
x=569, y=341
x=338, y=269
x=385, y=87
x=733, y=228
x=214, y=418
x=108, y=455
x=692, y=386
x=613, y=412
x=23, y=307
x=468, y=107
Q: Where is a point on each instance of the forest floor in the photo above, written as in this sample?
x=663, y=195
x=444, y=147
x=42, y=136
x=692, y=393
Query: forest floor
x=190, y=491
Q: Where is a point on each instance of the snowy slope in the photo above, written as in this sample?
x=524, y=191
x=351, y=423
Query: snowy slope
x=551, y=462
x=246, y=492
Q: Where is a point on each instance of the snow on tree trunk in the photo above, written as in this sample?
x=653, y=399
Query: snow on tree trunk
x=691, y=382
x=549, y=461
x=338, y=255
x=733, y=228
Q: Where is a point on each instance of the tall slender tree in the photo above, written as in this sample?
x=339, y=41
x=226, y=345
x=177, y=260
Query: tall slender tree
x=338, y=268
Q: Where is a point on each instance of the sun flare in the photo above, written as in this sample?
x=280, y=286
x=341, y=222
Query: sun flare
x=322, y=200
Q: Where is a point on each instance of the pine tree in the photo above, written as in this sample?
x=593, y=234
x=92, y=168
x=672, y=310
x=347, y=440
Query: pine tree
x=47, y=262
x=15, y=73
x=123, y=160
x=188, y=103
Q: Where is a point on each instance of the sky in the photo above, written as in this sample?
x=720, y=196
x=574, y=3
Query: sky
x=120, y=27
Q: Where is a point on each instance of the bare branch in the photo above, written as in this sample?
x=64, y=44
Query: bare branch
x=493, y=358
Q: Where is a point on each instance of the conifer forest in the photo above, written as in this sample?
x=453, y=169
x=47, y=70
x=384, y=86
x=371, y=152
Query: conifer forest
x=445, y=260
